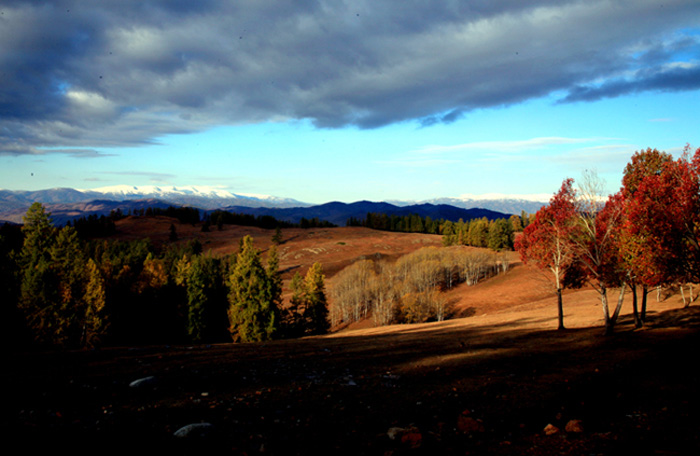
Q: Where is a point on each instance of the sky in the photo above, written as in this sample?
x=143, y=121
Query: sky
x=343, y=100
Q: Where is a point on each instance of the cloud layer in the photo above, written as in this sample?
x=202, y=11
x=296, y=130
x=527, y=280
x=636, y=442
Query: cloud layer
x=77, y=74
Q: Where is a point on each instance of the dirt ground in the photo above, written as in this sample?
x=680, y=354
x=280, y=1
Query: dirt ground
x=488, y=383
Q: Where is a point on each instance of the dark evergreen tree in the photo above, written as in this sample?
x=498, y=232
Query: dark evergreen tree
x=95, y=320
x=294, y=314
x=68, y=266
x=172, y=237
x=13, y=328
x=274, y=282
x=38, y=291
x=500, y=235
x=251, y=311
x=316, y=311
x=277, y=237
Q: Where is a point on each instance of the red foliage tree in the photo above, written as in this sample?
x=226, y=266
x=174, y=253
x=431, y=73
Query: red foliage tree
x=547, y=242
x=598, y=248
x=665, y=210
x=645, y=261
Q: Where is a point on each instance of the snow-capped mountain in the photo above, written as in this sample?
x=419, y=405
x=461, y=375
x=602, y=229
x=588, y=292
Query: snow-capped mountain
x=509, y=204
x=130, y=191
x=204, y=197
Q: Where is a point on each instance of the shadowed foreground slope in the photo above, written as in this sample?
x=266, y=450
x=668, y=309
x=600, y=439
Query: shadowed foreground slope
x=478, y=385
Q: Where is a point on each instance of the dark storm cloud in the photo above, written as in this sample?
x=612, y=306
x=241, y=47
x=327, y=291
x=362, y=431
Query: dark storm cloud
x=77, y=74
x=668, y=80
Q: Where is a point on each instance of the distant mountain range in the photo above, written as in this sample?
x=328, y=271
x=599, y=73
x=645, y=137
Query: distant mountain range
x=67, y=204
x=339, y=213
x=509, y=204
x=201, y=197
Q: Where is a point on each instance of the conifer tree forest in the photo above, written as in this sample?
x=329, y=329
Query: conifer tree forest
x=63, y=288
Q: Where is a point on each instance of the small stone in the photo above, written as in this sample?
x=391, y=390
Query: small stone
x=574, y=426
x=194, y=430
x=394, y=432
x=551, y=429
x=143, y=382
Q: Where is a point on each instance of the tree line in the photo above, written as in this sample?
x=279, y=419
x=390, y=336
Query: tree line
x=412, y=223
x=221, y=217
x=91, y=226
x=495, y=234
x=61, y=290
x=645, y=236
x=409, y=290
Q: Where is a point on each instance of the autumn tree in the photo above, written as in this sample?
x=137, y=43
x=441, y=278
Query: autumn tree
x=474, y=265
x=665, y=208
x=548, y=241
x=516, y=223
x=646, y=259
x=597, y=246
x=352, y=297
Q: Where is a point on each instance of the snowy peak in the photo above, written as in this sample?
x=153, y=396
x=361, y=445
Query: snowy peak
x=509, y=204
x=158, y=191
x=533, y=197
x=202, y=196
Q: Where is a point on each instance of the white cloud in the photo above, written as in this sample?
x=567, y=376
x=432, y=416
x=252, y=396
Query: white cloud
x=507, y=146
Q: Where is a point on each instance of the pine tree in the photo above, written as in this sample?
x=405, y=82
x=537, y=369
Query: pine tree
x=500, y=235
x=277, y=237
x=294, y=314
x=95, y=323
x=68, y=269
x=274, y=280
x=251, y=311
x=172, y=237
x=316, y=312
x=37, y=287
